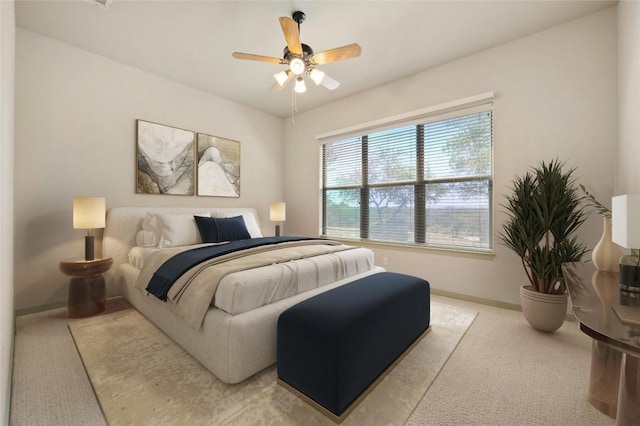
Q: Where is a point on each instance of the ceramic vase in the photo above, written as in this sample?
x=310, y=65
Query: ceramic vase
x=606, y=254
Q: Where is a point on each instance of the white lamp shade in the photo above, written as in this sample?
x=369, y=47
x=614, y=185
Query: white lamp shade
x=625, y=219
x=89, y=212
x=277, y=212
x=281, y=77
x=300, y=86
x=316, y=75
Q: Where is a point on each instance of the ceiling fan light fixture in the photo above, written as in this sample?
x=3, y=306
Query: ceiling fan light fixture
x=316, y=75
x=281, y=77
x=300, y=86
x=299, y=57
x=297, y=66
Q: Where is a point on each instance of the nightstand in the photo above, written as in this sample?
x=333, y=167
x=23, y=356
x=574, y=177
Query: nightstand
x=87, y=293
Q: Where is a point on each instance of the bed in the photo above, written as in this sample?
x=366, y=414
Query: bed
x=236, y=337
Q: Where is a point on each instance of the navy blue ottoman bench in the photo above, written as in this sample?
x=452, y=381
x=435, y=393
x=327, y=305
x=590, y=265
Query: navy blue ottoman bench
x=333, y=347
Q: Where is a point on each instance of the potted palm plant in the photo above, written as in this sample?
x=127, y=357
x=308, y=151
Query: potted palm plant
x=543, y=213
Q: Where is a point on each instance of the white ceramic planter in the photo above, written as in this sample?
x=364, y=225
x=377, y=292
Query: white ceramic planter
x=544, y=312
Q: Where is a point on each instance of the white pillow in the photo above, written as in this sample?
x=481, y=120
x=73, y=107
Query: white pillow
x=149, y=236
x=147, y=239
x=179, y=229
x=249, y=220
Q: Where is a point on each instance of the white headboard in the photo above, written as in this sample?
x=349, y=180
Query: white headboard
x=123, y=223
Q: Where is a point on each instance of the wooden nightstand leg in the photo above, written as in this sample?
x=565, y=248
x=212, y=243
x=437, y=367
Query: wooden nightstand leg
x=87, y=296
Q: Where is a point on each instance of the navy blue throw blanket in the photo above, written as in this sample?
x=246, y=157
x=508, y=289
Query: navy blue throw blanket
x=169, y=272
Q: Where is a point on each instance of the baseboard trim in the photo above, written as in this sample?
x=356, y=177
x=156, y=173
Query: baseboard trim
x=484, y=301
x=38, y=309
x=48, y=307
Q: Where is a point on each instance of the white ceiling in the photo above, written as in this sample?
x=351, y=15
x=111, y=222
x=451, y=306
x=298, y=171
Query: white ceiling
x=191, y=41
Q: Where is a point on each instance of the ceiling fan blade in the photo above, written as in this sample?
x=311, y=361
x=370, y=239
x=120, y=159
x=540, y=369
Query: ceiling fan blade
x=329, y=82
x=250, y=57
x=277, y=87
x=338, y=54
x=291, y=35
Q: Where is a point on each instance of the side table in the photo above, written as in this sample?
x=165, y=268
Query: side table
x=87, y=293
x=614, y=385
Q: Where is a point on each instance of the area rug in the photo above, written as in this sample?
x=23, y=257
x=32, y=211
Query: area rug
x=141, y=377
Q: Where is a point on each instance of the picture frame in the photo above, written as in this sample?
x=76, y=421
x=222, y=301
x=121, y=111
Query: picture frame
x=165, y=158
x=218, y=166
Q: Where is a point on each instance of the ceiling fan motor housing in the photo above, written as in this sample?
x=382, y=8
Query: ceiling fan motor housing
x=307, y=51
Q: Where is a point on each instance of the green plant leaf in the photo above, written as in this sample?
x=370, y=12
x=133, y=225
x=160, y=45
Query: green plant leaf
x=595, y=204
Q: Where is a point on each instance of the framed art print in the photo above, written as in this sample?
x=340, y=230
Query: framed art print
x=218, y=166
x=165, y=157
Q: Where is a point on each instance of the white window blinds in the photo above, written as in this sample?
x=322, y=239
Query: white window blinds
x=427, y=182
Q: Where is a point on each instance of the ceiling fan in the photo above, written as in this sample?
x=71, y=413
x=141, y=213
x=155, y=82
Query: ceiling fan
x=301, y=59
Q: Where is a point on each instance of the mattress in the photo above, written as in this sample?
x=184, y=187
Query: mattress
x=243, y=291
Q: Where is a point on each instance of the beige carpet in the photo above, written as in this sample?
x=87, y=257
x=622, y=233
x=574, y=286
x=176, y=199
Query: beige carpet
x=505, y=373
x=141, y=377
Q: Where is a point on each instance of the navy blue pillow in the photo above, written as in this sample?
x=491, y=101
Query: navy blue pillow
x=217, y=230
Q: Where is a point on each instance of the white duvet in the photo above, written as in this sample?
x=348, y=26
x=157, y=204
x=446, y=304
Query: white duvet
x=246, y=290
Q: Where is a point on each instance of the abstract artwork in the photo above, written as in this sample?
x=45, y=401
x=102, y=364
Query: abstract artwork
x=166, y=156
x=218, y=166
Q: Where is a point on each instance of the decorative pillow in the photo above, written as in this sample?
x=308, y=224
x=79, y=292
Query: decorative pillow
x=147, y=239
x=149, y=236
x=249, y=220
x=179, y=230
x=216, y=230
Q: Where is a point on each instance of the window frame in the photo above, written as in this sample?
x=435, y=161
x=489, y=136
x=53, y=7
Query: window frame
x=418, y=119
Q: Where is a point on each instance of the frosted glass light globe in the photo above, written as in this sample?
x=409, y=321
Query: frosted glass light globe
x=297, y=66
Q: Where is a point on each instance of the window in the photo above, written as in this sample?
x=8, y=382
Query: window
x=427, y=183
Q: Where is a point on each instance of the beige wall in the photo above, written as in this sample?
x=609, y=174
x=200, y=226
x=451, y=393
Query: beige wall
x=75, y=136
x=555, y=97
x=7, y=62
x=628, y=173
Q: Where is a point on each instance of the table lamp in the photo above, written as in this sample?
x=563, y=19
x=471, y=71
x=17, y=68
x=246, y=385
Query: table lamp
x=625, y=231
x=88, y=213
x=277, y=213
